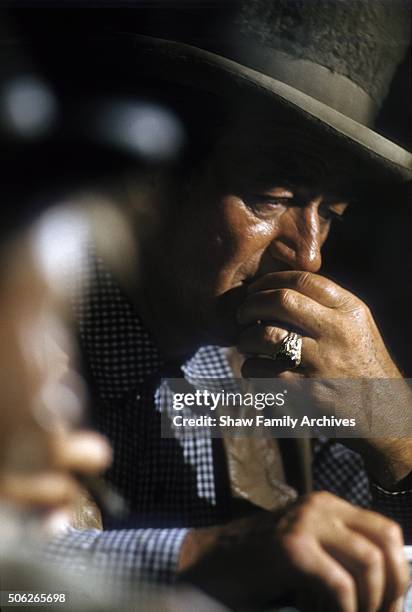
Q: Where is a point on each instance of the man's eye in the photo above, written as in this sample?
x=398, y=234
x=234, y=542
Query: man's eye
x=328, y=214
x=265, y=202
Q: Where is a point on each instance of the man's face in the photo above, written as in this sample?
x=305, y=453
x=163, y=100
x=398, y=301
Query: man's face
x=264, y=203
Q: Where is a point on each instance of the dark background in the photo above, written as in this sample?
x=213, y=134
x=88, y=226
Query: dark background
x=370, y=251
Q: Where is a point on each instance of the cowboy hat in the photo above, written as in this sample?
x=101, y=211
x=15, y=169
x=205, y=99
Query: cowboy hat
x=321, y=67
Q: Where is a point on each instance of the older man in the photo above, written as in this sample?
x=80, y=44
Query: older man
x=231, y=258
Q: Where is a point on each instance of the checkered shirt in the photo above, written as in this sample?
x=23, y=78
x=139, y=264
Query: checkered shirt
x=171, y=485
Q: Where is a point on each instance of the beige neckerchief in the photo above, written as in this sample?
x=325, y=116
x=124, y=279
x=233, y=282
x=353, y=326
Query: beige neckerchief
x=255, y=464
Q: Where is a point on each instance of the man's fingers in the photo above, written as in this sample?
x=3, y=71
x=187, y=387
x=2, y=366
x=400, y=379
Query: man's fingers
x=265, y=339
x=269, y=368
x=81, y=451
x=365, y=562
x=388, y=537
x=317, y=287
x=260, y=336
x=323, y=573
x=43, y=490
x=284, y=305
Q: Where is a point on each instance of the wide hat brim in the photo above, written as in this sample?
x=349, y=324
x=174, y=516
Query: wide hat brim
x=378, y=159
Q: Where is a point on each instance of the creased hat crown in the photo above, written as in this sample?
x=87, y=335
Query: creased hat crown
x=360, y=41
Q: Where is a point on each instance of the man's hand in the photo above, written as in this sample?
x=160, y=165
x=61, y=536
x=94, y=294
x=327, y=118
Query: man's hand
x=49, y=488
x=340, y=341
x=340, y=337
x=39, y=393
x=321, y=549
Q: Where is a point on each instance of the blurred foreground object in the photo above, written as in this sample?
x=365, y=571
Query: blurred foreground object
x=41, y=394
x=62, y=149
x=59, y=153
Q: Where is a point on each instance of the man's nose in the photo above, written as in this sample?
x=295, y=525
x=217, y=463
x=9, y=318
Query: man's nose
x=299, y=240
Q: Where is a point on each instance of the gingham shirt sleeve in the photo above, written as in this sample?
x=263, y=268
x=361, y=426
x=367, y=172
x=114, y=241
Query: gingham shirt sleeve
x=125, y=555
